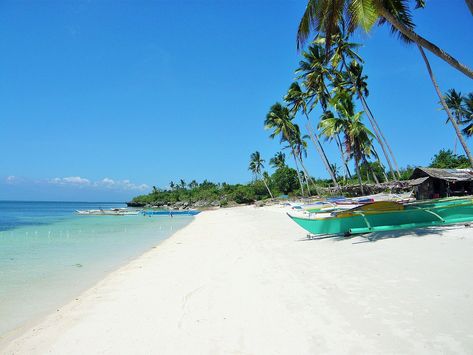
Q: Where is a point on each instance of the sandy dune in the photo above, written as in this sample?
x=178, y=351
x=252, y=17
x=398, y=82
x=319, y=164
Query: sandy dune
x=246, y=281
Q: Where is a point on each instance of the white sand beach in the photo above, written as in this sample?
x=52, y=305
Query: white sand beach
x=246, y=281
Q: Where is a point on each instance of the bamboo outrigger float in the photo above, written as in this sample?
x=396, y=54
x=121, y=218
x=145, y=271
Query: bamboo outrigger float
x=388, y=216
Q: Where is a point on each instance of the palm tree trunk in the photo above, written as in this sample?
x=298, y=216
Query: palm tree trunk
x=370, y=170
x=307, y=183
x=421, y=41
x=358, y=173
x=375, y=177
x=469, y=3
x=342, y=153
x=380, y=137
x=306, y=174
x=377, y=131
x=267, y=187
x=297, y=169
x=382, y=166
x=320, y=150
x=445, y=107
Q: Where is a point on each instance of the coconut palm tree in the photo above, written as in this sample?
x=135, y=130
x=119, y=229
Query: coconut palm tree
x=279, y=119
x=193, y=184
x=468, y=118
x=336, y=136
x=445, y=106
x=357, y=137
x=462, y=108
x=278, y=161
x=454, y=101
x=300, y=147
x=355, y=72
x=352, y=73
x=296, y=98
x=315, y=72
x=256, y=167
x=324, y=16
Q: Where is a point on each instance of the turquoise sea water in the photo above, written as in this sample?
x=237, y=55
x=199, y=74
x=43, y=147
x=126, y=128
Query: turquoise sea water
x=48, y=255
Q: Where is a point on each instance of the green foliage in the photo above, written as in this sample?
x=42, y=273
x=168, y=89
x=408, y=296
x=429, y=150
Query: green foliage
x=406, y=172
x=461, y=107
x=376, y=168
x=205, y=193
x=445, y=159
x=285, y=180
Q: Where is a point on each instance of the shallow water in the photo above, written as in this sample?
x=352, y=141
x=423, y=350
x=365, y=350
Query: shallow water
x=48, y=255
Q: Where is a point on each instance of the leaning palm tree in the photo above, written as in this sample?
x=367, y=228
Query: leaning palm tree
x=352, y=73
x=300, y=147
x=296, y=98
x=256, y=167
x=324, y=16
x=445, y=106
x=278, y=161
x=279, y=119
x=357, y=136
x=315, y=72
x=454, y=101
x=355, y=72
x=335, y=135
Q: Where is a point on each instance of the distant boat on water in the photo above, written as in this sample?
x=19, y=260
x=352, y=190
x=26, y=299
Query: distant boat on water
x=171, y=213
x=108, y=212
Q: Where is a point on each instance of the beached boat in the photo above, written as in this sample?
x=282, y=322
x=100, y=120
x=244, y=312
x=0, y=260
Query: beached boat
x=387, y=216
x=109, y=212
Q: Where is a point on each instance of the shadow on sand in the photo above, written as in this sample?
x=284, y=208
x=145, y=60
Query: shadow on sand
x=377, y=236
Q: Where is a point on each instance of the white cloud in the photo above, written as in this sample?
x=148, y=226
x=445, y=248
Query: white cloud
x=70, y=180
x=120, y=184
x=10, y=179
x=106, y=182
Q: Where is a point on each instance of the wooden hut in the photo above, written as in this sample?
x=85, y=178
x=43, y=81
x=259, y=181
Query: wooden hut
x=434, y=183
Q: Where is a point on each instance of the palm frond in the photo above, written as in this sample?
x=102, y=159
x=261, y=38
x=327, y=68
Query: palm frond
x=361, y=13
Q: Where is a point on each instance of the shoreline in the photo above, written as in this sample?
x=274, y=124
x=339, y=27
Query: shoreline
x=246, y=280
x=31, y=323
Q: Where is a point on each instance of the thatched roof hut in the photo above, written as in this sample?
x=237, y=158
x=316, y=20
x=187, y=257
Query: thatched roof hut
x=434, y=183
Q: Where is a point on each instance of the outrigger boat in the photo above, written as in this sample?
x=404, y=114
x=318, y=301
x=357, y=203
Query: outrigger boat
x=110, y=212
x=171, y=213
x=388, y=216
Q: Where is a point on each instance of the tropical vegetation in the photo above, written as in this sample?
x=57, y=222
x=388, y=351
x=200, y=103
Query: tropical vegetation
x=282, y=180
x=331, y=92
x=328, y=102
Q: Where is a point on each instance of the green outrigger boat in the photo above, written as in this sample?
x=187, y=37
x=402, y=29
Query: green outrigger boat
x=388, y=216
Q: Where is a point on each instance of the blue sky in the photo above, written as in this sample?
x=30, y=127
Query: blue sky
x=102, y=99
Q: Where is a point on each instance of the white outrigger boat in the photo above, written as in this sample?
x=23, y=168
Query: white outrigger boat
x=109, y=212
